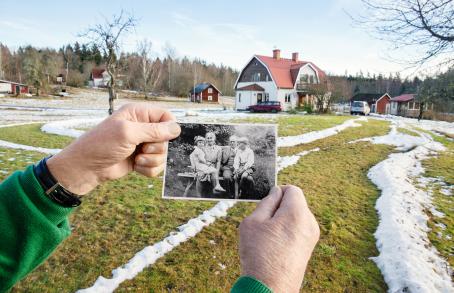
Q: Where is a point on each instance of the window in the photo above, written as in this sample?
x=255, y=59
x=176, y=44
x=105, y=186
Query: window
x=256, y=76
x=210, y=90
x=311, y=79
x=210, y=98
x=267, y=77
x=239, y=98
x=288, y=98
x=267, y=96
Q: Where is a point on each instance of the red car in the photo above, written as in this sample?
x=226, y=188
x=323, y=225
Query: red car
x=268, y=106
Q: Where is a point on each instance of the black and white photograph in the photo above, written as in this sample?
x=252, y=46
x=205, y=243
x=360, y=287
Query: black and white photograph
x=221, y=161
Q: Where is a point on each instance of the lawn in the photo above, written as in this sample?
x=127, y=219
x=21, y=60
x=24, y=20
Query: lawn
x=121, y=217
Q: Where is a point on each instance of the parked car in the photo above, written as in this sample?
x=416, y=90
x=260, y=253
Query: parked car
x=268, y=106
x=360, y=107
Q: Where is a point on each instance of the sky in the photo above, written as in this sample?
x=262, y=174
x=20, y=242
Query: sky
x=222, y=32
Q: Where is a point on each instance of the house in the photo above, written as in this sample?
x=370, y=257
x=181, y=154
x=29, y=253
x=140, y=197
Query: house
x=204, y=92
x=406, y=105
x=99, y=78
x=14, y=88
x=275, y=78
x=378, y=103
x=60, y=78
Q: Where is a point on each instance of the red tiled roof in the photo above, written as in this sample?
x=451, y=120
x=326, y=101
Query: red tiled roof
x=284, y=71
x=403, y=98
x=252, y=87
x=97, y=72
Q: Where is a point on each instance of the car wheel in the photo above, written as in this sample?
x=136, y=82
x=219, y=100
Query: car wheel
x=273, y=111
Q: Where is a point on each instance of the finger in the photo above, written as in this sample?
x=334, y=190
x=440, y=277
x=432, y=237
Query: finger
x=154, y=148
x=268, y=206
x=150, y=160
x=293, y=202
x=149, y=171
x=145, y=113
x=154, y=132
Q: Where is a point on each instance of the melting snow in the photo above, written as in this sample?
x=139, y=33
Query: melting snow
x=284, y=162
x=151, y=254
x=289, y=141
x=11, y=145
x=407, y=259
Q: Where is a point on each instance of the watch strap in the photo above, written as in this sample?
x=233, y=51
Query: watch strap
x=53, y=189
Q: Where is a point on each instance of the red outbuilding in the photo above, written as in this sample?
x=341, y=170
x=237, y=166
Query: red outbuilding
x=11, y=87
x=204, y=92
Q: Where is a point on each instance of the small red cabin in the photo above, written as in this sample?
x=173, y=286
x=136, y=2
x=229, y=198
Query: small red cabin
x=12, y=87
x=204, y=92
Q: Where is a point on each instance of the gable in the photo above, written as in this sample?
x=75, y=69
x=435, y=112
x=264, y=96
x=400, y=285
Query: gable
x=254, y=71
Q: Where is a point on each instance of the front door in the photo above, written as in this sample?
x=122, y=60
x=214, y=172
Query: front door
x=259, y=98
x=17, y=90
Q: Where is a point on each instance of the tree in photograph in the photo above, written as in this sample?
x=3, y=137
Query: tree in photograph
x=437, y=93
x=106, y=36
x=423, y=27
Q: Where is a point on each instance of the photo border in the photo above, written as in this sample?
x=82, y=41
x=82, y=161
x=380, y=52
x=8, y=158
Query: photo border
x=275, y=126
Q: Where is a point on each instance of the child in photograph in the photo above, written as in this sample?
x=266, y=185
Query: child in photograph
x=199, y=163
x=243, y=165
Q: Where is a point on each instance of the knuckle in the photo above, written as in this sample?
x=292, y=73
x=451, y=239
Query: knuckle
x=155, y=131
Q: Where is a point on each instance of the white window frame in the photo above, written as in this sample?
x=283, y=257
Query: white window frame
x=210, y=90
x=210, y=97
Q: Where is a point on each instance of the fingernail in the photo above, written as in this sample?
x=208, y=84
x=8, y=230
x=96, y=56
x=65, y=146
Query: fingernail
x=151, y=149
x=141, y=161
x=173, y=128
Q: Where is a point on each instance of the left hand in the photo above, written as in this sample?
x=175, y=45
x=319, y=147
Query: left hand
x=133, y=138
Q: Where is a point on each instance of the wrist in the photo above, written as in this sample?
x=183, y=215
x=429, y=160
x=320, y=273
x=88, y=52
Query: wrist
x=71, y=174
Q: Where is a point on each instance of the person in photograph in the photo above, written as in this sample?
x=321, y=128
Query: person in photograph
x=227, y=158
x=200, y=165
x=243, y=166
x=213, y=158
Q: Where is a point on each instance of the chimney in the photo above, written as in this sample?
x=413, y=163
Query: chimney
x=276, y=54
x=295, y=57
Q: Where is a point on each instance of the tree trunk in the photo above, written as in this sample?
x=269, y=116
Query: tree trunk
x=112, y=95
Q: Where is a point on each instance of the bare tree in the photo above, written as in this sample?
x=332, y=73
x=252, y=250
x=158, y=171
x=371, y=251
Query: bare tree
x=106, y=37
x=424, y=27
x=322, y=95
x=150, y=70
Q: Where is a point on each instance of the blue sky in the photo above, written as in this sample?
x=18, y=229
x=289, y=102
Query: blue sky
x=227, y=32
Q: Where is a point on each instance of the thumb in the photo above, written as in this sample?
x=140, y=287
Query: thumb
x=156, y=132
x=268, y=206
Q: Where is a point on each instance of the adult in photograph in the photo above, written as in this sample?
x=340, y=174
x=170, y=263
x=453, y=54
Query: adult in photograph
x=243, y=167
x=227, y=158
x=213, y=158
x=204, y=171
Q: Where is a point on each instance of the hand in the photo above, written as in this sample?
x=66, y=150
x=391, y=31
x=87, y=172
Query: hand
x=277, y=240
x=133, y=138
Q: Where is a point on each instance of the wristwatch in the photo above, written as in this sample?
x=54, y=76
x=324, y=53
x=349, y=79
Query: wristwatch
x=53, y=189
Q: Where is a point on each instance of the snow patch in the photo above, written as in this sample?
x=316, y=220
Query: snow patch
x=150, y=254
x=284, y=162
x=65, y=127
x=12, y=145
x=407, y=259
x=289, y=141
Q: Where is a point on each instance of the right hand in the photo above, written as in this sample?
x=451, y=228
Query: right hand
x=277, y=240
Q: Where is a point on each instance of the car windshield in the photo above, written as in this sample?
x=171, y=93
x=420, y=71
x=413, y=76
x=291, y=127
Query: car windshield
x=358, y=104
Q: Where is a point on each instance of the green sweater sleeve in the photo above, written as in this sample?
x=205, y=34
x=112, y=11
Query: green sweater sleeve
x=31, y=226
x=247, y=284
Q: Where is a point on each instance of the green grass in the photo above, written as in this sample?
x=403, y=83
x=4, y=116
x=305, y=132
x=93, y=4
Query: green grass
x=442, y=166
x=31, y=134
x=121, y=217
x=407, y=131
x=298, y=124
x=369, y=129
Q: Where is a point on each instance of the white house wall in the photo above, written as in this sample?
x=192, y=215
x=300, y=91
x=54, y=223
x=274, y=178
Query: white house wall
x=309, y=71
x=293, y=98
x=268, y=86
x=394, y=108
